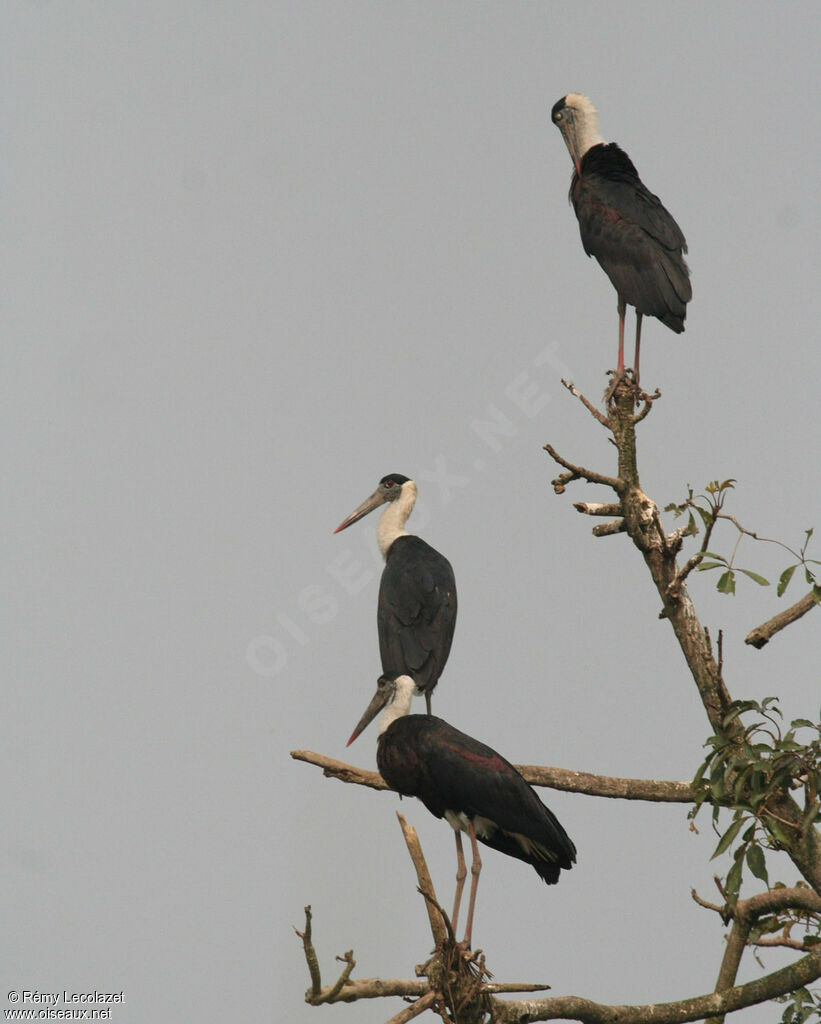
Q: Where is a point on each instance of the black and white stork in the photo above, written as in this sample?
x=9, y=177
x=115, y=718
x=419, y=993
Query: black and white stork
x=636, y=241
x=416, y=611
x=469, y=784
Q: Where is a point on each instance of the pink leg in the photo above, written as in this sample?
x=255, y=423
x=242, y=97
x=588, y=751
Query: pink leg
x=461, y=875
x=638, y=346
x=475, y=868
x=620, y=367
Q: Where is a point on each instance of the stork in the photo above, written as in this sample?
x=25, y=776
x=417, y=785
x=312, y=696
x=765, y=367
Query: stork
x=416, y=610
x=636, y=241
x=469, y=784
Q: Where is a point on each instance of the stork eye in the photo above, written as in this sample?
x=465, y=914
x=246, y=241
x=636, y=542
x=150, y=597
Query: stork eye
x=558, y=116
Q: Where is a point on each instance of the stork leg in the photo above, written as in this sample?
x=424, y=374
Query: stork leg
x=622, y=308
x=638, y=346
x=461, y=875
x=427, y=700
x=475, y=868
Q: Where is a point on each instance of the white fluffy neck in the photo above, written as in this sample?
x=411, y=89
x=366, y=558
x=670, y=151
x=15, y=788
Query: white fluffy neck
x=392, y=521
x=401, y=703
x=586, y=122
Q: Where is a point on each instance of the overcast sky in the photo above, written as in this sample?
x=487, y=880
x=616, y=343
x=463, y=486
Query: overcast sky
x=258, y=255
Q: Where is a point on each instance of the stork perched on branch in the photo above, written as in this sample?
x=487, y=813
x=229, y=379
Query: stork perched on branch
x=466, y=782
x=636, y=241
x=416, y=611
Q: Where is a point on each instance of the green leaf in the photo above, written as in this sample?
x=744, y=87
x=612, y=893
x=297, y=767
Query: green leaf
x=802, y=723
x=728, y=837
x=778, y=832
x=726, y=583
x=756, y=862
x=810, y=532
x=784, y=579
x=808, y=576
x=710, y=565
x=755, y=577
x=733, y=883
x=706, y=517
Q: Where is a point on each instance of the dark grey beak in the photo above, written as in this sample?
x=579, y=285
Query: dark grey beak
x=379, y=700
x=368, y=505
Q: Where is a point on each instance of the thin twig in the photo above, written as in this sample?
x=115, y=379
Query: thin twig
x=414, y=1009
x=594, y=412
x=310, y=954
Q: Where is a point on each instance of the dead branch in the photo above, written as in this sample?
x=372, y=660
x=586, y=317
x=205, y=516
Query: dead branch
x=435, y=915
x=593, y=508
x=608, y=529
x=580, y=473
x=562, y=779
x=761, y=635
x=594, y=412
x=370, y=988
x=414, y=1009
x=310, y=955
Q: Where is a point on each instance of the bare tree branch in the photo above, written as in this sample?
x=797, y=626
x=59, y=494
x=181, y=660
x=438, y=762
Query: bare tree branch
x=608, y=529
x=594, y=412
x=780, y=982
x=761, y=635
x=414, y=1009
x=371, y=988
x=437, y=925
x=598, y=508
x=580, y=473
x=563, y=779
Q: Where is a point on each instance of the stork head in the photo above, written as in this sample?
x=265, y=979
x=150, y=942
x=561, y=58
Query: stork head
x=391, y=487
x=578, y=121
x=393, y=696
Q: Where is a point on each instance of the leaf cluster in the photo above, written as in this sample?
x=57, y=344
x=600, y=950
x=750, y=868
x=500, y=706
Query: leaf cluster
x=802, y=1005
x=709, y=509
x=747, y=769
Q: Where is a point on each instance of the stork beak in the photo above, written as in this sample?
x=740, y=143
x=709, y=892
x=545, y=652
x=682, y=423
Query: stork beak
x=568, y=129
x=379, y=700
x=368, y=505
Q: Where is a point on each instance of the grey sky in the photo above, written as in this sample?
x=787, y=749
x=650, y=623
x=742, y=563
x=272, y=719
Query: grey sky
x=257, y=256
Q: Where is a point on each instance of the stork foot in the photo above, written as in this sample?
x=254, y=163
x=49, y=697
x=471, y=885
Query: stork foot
x=622, y=376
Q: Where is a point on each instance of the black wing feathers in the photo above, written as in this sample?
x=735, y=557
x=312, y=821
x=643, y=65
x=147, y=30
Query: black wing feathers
x=634, y=238
x=425, y=757
x=416, y=612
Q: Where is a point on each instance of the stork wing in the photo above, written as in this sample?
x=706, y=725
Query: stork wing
x=417, y=610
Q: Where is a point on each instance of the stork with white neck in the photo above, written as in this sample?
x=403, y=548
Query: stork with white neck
x=416, y=611
x=635, y=240
x=469, y=784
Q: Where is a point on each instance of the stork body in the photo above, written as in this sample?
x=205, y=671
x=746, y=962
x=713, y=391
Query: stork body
x=416, y=610
x=636, y=241
x=469, y=784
